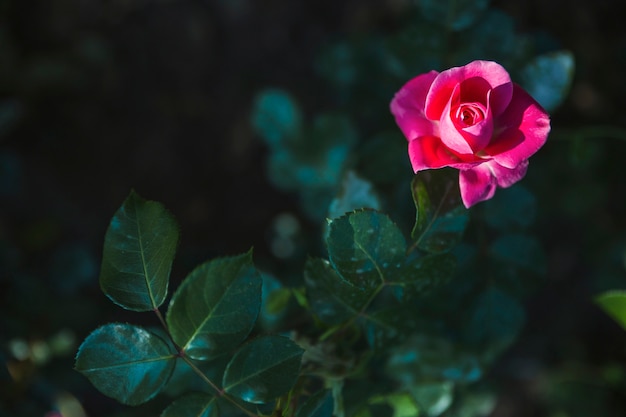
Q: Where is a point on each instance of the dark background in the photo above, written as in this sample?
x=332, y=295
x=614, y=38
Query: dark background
x=98, y=97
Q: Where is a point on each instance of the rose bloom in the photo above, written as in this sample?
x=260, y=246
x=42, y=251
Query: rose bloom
x=475, y=119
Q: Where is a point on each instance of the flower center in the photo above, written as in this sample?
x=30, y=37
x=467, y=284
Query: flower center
x=469, y=114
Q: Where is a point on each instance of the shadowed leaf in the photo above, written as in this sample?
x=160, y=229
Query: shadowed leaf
x=139, y=248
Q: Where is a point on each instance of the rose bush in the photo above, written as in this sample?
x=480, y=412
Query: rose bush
x=475, y=119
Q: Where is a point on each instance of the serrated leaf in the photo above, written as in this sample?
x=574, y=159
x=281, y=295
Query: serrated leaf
x=332, y=299
x=548, y=78
x=196, y=404
x=318, y=405
x=215, y=307
x=125, y=362
x=454, y=14
x=365, y=247
x=263, y=369
x=276, y=117
x=614, y=304
x=139, y=248
x=440, y=217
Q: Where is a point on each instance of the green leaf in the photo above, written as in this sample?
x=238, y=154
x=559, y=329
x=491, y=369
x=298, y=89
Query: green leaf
x=196, y=404
x=454, y=14
x=215, y=307
x=125, y=362
x=276, y=117
x=332, y=299
x=440, y=217
x=614, y=304
x=548, y=78
x=365, y=247
x=355, y=193
x=139, y=248
x=433, y=398
x=263, y=369
x=320, y=404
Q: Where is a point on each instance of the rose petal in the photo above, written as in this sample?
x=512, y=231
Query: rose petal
x=493, y=73
x=477, y=184
x=520, y=131
x=428, y=152
x=407, y=106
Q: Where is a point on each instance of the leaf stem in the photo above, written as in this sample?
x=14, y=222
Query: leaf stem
x=219, y=391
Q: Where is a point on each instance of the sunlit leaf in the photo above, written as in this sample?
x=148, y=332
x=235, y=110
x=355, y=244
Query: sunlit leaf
x=433, y=397
x=365, y=246
x=276, y=117
x=614, y=304
x=139, y=248
x=548, y=78
x=440, y=218
x=126, y=362
x=196, y=404
x=263, y=369
x=318, y=405
x=455, y=14
x=332, y=299
x=355, y=193
x=215, y=307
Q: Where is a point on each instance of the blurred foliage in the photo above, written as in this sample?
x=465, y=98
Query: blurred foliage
x=99, y=98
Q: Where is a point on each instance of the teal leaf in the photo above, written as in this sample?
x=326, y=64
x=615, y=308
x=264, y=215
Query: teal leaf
x=263, y=369
x=520, y=251
x=320, y=404
x=139, y=248
x=215, y=307
x=614, y=304
x=355, y=193
x=388, y=327
x=365, y=247
x=494, y=321
x=431, y=358
x=125, y=362
x=332, y=299
x=276, y=117
x=511, y=209
x=548, y=78
x=440, y=217
x=195, y=404
x=454, y=14
x=423, y=274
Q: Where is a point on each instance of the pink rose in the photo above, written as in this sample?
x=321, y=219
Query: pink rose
x=475, y=119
